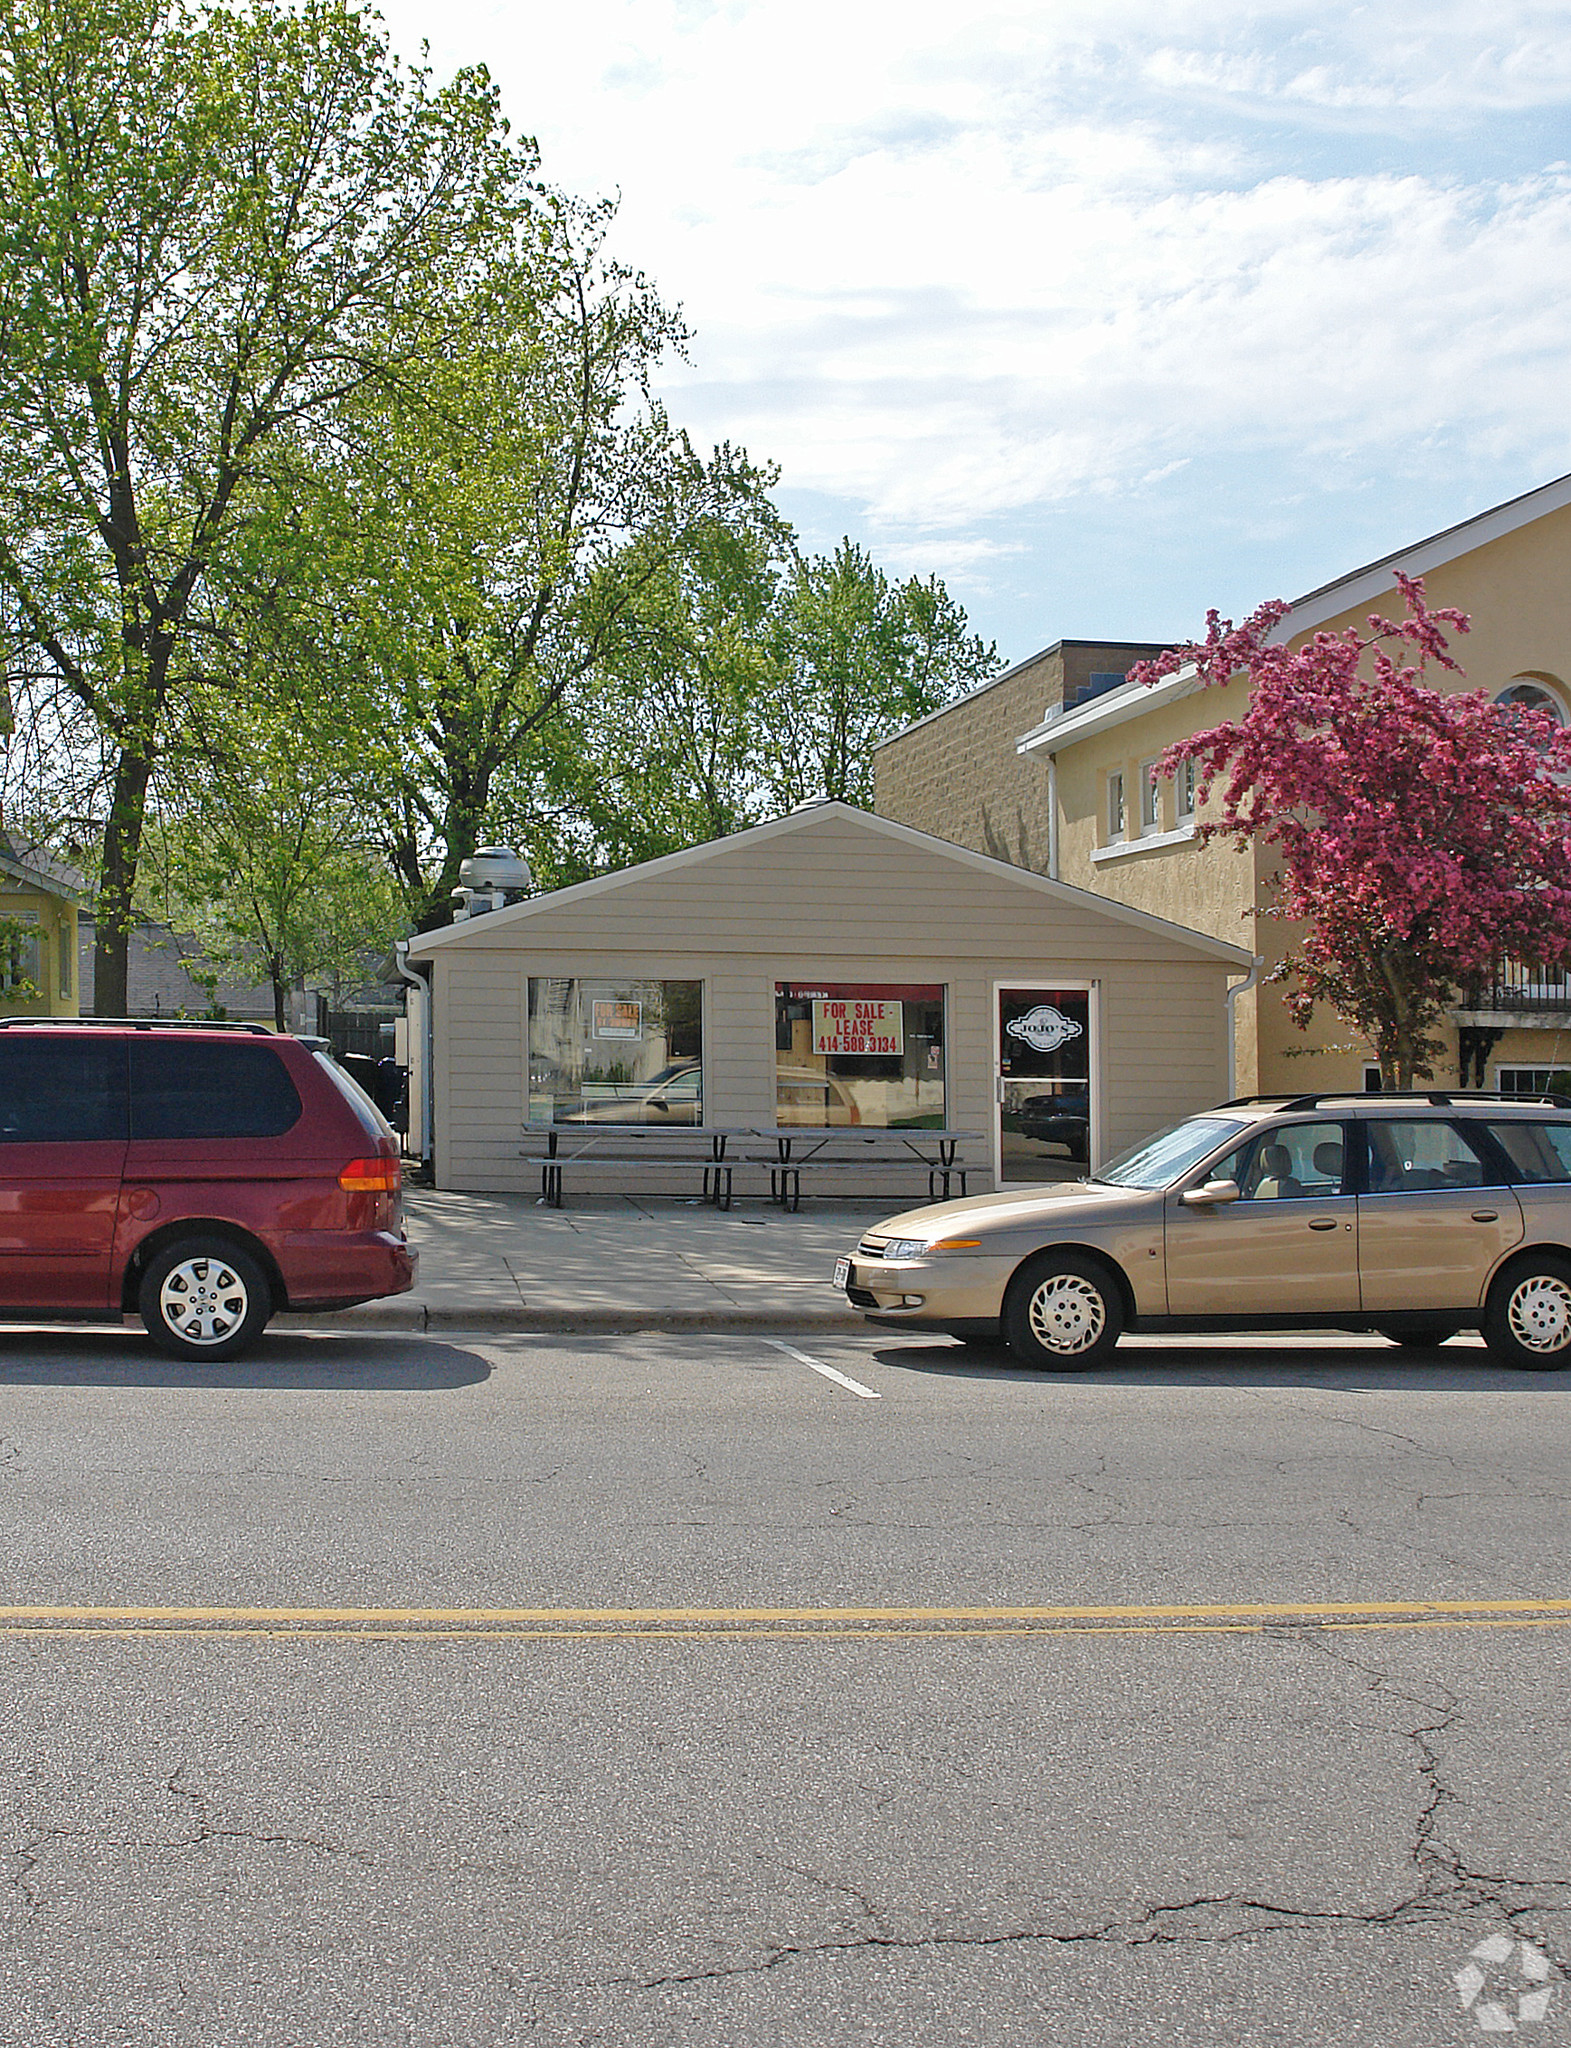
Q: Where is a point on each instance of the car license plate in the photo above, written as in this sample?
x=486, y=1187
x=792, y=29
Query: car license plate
x=842, y=1272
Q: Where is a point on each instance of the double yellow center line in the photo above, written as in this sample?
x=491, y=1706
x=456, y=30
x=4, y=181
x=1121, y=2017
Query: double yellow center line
x=711, y=1624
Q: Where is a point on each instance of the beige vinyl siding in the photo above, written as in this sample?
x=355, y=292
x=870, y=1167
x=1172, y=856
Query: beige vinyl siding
x=837, y=898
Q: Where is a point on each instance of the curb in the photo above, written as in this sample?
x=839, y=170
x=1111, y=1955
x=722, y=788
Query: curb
x=416, y=1319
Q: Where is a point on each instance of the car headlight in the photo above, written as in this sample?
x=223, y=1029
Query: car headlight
x=905, y=1247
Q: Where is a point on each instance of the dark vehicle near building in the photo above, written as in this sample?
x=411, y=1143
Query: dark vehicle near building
x=1415, y=1216
x=1058, y=1120
x=201, y=1176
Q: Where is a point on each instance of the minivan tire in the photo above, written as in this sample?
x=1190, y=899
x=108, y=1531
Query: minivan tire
x=1063, y=1312
x=1527, y=1317
x=204, y=1299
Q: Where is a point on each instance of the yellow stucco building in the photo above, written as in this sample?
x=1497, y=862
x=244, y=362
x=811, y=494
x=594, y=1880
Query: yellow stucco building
x=1108, y=830
x=38, y=939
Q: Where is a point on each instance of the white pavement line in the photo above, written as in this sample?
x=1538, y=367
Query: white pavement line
x=828, y=1371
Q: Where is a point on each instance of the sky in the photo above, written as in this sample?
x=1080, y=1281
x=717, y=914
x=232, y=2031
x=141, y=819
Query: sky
x=1103, y=311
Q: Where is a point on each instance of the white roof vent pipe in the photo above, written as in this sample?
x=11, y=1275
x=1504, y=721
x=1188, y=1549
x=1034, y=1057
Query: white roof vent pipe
x=491, y=878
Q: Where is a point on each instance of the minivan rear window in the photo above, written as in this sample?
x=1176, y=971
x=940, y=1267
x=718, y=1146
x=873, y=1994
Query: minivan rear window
x=190, y=1089
x=61, y=1091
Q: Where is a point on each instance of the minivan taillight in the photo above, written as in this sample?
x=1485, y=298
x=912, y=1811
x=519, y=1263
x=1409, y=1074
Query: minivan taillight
x=370, y=1177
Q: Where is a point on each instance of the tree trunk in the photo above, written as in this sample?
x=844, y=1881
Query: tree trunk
x=113, y=913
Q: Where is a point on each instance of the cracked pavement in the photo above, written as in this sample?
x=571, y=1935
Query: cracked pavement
x=1295, y=1834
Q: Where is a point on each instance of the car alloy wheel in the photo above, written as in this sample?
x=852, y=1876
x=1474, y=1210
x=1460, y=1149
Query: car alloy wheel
x=1063, y=1311
x=204, y=1298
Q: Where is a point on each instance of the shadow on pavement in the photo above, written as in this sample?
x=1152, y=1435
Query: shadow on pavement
x=286, y=1360
x=1379, y=1369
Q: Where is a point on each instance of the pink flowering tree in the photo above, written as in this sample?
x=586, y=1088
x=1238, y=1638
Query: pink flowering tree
x=1418, y=835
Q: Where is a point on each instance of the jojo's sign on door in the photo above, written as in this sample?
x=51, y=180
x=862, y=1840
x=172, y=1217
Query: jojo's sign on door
x=855, y=1024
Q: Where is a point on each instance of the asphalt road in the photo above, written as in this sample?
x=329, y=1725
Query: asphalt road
x=671, y=1690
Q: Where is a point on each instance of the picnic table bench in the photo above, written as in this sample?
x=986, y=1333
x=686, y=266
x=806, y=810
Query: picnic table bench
x=569, y=1145
x=844, y=1151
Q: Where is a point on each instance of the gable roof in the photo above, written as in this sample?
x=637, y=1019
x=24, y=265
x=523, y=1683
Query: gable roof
x=811, y=818
x=1357, y=587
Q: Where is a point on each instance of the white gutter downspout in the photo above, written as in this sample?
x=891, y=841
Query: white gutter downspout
x=1233, y=993
x=1052, y=819
x=427, y=1042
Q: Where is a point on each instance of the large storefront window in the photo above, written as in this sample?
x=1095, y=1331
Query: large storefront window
x=859, y=1053
x=616, y=1052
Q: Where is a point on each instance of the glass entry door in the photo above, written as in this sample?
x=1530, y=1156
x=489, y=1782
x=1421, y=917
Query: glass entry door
x=1044, y=1083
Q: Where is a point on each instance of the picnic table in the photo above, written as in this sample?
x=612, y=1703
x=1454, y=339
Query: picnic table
x=851, y=1149
x=702, y=1145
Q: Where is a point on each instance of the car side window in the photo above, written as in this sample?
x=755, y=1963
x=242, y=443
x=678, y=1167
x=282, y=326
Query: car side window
x=186, y=1090
x=61, y=1091
x=1539, y=1153
x=1297, y=1162
x=1422, y=1156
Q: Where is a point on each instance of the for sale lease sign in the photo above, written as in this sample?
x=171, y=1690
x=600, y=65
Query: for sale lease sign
x=853, y=1024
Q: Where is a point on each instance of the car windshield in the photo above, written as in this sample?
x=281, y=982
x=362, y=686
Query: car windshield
x=1157, y=1162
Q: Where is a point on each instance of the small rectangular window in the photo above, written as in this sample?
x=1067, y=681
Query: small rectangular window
x=1150, y=798
x=1115, y=806
x=1533, y=1080
x=21, y=957
x=1184, y=791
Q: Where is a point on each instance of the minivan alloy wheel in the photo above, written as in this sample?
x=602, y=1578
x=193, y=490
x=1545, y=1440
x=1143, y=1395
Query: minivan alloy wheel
x=204, y=1298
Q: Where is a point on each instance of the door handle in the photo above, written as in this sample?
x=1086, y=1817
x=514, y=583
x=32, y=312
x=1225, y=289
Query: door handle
x=1322, y=1223
x=1486, y=1215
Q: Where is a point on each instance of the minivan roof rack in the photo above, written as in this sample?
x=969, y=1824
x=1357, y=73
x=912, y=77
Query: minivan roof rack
x=144, y=1024
x=1440, y=1097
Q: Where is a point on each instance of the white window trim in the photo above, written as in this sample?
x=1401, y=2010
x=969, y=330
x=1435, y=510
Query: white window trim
x=1185, y=784
x=1117, y=831
x=1151, y=842
x=1150, y=799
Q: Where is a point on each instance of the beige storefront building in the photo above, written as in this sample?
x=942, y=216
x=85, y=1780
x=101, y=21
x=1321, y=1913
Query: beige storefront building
x=828, y=969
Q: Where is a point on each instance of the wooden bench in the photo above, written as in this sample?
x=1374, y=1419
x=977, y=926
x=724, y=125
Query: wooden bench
x=627, y=1144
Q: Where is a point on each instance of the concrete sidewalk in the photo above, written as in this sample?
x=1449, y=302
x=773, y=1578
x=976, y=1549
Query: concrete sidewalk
x=504, y=1262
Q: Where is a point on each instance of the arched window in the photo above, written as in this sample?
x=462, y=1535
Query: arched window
x=1533, y=693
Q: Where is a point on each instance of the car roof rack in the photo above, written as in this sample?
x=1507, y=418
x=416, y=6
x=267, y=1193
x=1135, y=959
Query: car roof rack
x=1440, y=1098
x=143, y=1024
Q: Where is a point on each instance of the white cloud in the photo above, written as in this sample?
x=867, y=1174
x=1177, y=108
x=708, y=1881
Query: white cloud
x=947, y=266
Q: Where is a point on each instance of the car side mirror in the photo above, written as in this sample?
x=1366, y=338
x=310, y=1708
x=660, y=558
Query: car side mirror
x=661, y=1104
x=1212, y=1195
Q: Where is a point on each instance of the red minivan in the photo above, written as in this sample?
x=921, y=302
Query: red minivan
x=203, y=1175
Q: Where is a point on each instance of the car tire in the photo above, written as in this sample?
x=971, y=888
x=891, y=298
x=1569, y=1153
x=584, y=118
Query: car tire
x=1527, y=1317
x=1063, y=1312
x=204, y=1299
x=1422, y=1337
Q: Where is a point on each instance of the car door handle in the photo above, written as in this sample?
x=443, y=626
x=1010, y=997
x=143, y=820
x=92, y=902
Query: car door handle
x=1486, y=1215
x=1322, y=1223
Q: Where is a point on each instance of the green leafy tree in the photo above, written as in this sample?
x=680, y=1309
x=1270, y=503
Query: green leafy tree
x=541, y=497
x=666, y=749
x=217, y=226
x=269, y=864
x=856, y=657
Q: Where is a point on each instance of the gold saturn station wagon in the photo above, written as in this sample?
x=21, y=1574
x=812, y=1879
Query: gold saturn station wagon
x=1412, y=1215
